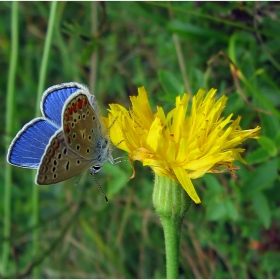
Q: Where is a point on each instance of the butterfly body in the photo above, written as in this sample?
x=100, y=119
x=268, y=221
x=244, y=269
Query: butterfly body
x=67, y=140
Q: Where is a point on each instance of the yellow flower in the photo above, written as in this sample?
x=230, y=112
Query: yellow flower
x=180, y=146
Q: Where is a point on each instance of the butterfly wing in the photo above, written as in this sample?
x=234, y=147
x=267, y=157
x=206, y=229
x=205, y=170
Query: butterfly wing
x=83, y=128
x=59, y=162
x=54, y=98
x=28, y=146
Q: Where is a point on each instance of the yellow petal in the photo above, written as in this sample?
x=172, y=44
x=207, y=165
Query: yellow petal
x=171, y=152
x=141, y=108
x=209, y=160
x=164, y=172
x=154, y=134
x=179, y=116
x=183, y=149
x=200, y=172
x=186, y=183
x=141, y=154
x=114, y=124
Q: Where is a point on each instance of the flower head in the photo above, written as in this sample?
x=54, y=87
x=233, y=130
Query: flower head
x=179, y=145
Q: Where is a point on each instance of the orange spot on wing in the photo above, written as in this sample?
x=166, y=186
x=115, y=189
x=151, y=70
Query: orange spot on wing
x=46, y=161
x=74, y=107
x=56, y=145
x=51, y=153
x=67, y=128
x=80, y=104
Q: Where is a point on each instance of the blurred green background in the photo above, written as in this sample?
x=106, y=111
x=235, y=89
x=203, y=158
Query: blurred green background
x=170, y=48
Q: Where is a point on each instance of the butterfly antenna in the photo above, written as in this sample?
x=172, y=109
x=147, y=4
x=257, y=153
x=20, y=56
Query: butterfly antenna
x=79, y=179
x=100, y=188
x=116, y=146
x=106, y=131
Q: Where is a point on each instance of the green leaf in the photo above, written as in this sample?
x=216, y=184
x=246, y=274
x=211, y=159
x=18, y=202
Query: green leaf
x=261, y=207
x=231, y=210
x=277, y=140
x=271, y=261
x=118, y=182
x=212, y=184
x=194, y=31
x=261, y=178
x=270, y=125
x=170, y=83
x=268, y=145
x=257, y=156
x=215, y=210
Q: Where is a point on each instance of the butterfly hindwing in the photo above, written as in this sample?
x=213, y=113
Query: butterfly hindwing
x=59, y=162
x=28, y=146
x=82, y=126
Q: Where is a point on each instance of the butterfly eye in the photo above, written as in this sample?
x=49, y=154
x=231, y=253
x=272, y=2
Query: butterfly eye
x=95, y=169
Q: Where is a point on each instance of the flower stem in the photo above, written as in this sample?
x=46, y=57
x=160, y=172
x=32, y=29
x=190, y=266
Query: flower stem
x=171, y=202
x=172, y=241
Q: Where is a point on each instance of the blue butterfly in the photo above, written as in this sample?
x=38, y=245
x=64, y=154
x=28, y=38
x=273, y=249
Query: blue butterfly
x=67, y=140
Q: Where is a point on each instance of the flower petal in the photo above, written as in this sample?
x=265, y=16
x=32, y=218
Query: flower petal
x=209, y=160
x=186, y=183
x=114, y=124
x=179, y=116
x=154, y=134
x=141, y=108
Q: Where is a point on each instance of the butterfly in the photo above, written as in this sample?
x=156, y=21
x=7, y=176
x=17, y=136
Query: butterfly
x=68, y=139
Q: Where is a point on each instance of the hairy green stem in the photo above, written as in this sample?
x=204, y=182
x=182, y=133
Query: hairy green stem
x=41, y=85
x=172, y=241
x=8, y=132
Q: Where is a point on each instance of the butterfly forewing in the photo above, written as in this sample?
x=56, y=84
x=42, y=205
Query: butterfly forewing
x=59, y=162
x=28, y=146
x=54, y=99
x=81, y=126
